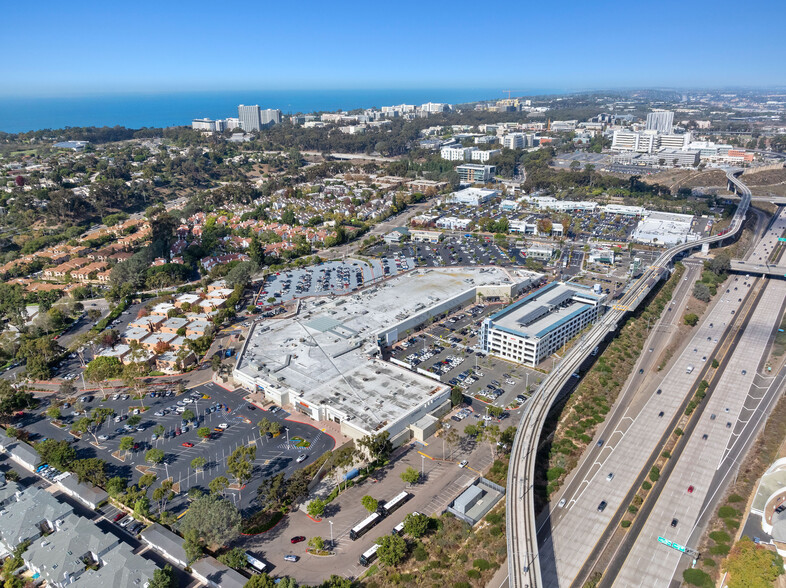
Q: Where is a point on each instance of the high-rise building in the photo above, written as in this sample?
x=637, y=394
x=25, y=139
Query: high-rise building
x=661, y=121
x=270, y=116
x=249, y=117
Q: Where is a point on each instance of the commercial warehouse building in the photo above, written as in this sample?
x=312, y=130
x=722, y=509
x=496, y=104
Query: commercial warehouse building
x=325, y=362
x=538, y=325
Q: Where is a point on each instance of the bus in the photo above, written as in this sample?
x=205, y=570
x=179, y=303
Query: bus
x=369, y=555
x=394, y=503
x=255, y=563
x=363, y=526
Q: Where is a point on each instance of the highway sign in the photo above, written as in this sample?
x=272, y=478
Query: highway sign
x=678, y=547
x=783, y=239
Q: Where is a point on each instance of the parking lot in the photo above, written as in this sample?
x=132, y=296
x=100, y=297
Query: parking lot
x=329, y=278
x=449, y=349
x=225, y=413
x=454, y=251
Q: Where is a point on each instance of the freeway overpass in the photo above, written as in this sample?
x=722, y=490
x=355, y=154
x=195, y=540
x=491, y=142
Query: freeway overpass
x=770, y=270
x=523, y=559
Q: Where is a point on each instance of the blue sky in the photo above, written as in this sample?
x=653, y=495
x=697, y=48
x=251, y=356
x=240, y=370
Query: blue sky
x=67, y=48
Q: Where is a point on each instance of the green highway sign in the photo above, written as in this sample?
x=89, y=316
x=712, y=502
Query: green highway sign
x=782, y=239
x=671, y=544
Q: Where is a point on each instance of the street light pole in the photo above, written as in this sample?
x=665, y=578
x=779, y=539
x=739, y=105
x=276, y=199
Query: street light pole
x=422, y=464
x=331, y=535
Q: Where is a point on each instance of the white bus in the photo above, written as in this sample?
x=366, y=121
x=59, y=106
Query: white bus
x=363, y=526
x=369, y=555
x=395, y=502
x=255, y=563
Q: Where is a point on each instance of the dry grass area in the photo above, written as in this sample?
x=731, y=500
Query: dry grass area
x=453, y=555
x=686, y=178
x=765, y=178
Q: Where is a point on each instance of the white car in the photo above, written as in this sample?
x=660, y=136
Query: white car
x=223, y=426
x=301, y=458
x=103, y=437
x=463, y=464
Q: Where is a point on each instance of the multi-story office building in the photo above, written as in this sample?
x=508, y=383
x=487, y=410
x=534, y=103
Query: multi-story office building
x=474, y=172
x=514, y=141
x=231, y=124
x=249, y=117
x=472, y=196
x=203, y=124
x=538, y=325
x=661, y=121
x=646, y=142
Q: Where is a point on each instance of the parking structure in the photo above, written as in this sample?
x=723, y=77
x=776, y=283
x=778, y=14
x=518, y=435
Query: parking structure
x=232, y=423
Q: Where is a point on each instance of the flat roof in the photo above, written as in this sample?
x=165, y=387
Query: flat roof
x=324, y=353
x=544, y=310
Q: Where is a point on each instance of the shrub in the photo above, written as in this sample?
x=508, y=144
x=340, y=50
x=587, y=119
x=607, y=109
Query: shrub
x=735, y=498
x=678, y=432
x=691, y=319
x=710, y=563
x=420, y=553
x=462, y=585
x=554, y=473
x=633, y=509
x=655, y=474
x=665, y=455
x=495, y=531
x=727, y=511
x=696, y=577
x=731, y=523
x=625, y=524
x=720, y=549
x=720, y=536
x=474, y=574
x=646, y=485
x=481, y=564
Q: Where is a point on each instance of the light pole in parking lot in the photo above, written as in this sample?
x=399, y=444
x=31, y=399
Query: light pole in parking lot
x=422, y=464
x=331, y=535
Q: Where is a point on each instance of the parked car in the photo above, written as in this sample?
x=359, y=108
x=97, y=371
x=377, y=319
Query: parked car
x=301, y=458
x=291, y=558
x=298, y=539
x=187, y=444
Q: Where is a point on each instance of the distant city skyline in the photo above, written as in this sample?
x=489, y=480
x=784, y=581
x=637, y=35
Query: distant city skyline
x=95, y=47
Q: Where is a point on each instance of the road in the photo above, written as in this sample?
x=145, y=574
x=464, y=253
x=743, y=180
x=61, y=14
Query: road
x=524, y=567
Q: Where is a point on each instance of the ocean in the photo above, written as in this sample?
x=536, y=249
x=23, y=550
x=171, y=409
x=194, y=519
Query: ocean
x=21, y=114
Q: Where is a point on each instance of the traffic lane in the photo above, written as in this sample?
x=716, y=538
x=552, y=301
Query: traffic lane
x=642, y=431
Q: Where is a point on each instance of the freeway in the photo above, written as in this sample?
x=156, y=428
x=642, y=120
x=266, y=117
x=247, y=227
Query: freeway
x=523, y=556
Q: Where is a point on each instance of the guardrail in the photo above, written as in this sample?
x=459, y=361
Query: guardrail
x=523, y=559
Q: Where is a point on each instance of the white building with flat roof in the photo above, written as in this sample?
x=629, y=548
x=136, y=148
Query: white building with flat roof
x=664, y=228
x=472, y=196
x=536, y=326
x=484, y=156
x=456, y=152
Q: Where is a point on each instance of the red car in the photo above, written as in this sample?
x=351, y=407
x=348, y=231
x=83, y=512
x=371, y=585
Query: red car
x=297, y=539
x=119, y=516
x=690, y=489
x=187, y=444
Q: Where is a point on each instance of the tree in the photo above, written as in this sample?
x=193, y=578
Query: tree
x=12, y=400
x=91, y=470
x=452, y=438
x=66, y=388
x=317, y=543
x=103, y=368
x=378, y=446
x=163, y=494
x=142, y=507
x=116, y=486
x=188, y=415
x=751, y=565
x=163, y=578
x=198, y=463
x=134, y=420
x=369, y=503
x=268, y=426
x=416, y=525
x=316, y=508
x=147, y=480
x=203, y=432
x=720, y=264
x=392, y=549
x=456, y=396
x=241, y=463
x=337, y=582
x=53, y=412
x=215, y=362
x=215, y=519
x=158, y=430
x=126, y=444
x=59, y=454
x=701, y=292
x=544, y=226
x=410, y=475
x=691, y=319
x=260, y=581
x=154, y=456
x=234, y=558
x=218, y=485
x=192, y=544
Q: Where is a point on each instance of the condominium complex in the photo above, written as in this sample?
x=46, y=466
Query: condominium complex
x=538, y=325
x=249, y=117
